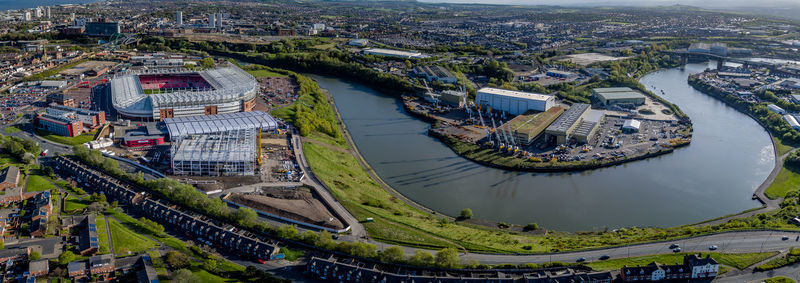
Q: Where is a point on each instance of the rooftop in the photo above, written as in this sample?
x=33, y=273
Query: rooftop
x=570, y=117
x=183, y=126
x=514, y=93
x=10, y=175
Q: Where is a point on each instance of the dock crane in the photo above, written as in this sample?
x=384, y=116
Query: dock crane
x=502, y=140
x=430, y=94
x=488, y=132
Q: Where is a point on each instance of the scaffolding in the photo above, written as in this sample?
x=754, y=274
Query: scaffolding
x=224, y=153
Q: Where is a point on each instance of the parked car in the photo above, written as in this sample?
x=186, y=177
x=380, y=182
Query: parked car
x=605, y=257
x=676, y=250
x=713, y=247
x=581, y=259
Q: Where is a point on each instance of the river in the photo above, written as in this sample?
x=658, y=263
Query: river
x=729, y=157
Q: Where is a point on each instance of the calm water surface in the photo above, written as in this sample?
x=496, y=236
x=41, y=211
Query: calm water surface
x=730, y=156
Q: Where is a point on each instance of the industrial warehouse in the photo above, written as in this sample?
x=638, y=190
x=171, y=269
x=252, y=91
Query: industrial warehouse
x=224, y=144
x=147, y=95
x=621, y=124
x=513, y=102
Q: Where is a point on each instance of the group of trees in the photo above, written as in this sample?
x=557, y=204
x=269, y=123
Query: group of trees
x=23, y=150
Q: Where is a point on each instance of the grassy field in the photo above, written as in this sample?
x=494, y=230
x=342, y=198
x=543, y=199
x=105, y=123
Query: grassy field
x=782, y=148
x=38, y=183
x=786, y=181
x=207, y=277
x=143, y=229
x=12, y=129
x=73, y=204
x=738, y=261
x=102, y=235
x=83, y=138
x=125, y=240
x=265, y=74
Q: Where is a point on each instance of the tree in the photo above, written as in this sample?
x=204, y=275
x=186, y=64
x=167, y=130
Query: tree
x=184, y=276
x=393, y=254
x=325, y=240
x=177, y=260
x=531, y=226
x=245, y=216
x=421, y=258
x=210, y=265
x=66, y=257
x=466, y=213
x=35, y=255
x=447, y=257
x=207, y=63
x=287, y=231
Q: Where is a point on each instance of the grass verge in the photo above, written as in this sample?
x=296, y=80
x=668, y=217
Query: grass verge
x=38, y=183
x=102, y=235
x=12, y=129
x=787, y=180
x=779, y=279
x=127, y=241
x=83, y=138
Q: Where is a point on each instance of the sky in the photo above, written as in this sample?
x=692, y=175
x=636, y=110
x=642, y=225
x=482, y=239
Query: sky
x=698, y=3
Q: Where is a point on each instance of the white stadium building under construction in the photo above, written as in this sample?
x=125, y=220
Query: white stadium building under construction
x=224, y=144
x=153, y=95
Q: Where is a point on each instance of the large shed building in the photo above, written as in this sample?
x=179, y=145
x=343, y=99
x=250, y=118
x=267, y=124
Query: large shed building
x=513, y=102
x=563, y=128
x=618, y=95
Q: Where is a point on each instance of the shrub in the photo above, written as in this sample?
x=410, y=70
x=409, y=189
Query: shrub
x=466, y=213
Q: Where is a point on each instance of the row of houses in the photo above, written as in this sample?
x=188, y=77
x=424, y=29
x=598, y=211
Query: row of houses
x=350, y=270
x=195, y=226
x=695, y=267
x=105, y=268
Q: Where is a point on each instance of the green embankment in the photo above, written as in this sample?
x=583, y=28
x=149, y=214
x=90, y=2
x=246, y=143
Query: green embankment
x=786, y=181
x=38, y=183
x=126, y=240
x=81, y=139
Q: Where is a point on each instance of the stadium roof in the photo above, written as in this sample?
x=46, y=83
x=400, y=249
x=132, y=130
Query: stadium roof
x=184, y=126
x=229, y=84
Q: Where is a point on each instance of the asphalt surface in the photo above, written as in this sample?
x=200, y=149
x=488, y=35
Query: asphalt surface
x=731, y=242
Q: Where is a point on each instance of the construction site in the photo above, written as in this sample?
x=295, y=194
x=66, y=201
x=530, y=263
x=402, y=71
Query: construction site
x=299, y=205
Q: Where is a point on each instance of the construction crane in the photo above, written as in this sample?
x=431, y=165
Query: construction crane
x=502, y=141
x=431, y=95
x=483, y=124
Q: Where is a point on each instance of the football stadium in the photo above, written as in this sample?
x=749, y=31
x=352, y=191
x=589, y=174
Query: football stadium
x=152, y=95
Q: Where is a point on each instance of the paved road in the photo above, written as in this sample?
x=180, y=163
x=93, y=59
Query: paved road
x=357, y=232
x=731, y=242
x=792, y=271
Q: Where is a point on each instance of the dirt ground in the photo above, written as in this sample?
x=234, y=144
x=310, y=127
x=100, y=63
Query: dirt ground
x=298, y=204
x=585, y=59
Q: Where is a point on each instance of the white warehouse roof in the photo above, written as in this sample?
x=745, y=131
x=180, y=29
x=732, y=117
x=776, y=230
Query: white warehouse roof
x=514, y=93
x=631, y=124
